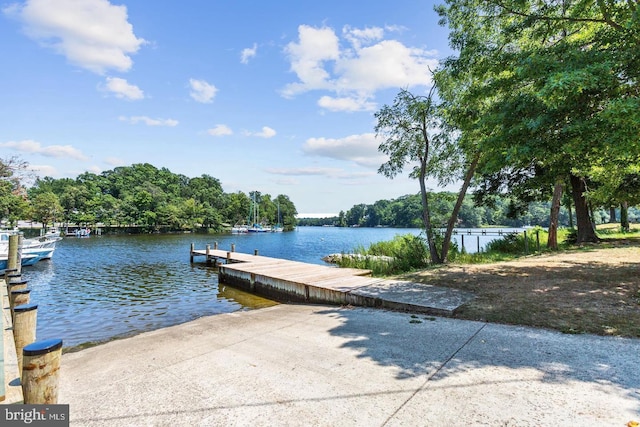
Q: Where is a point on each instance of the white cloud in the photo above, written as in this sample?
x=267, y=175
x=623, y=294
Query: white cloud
x=92, y=34
x=287, y=181
x=355, y=70
x=34, y=147
x=122, y=89
x=307, y=56
x=358, y=36
x=266, y=132
x=149, y=121
x=114, y=161
x=309, y=171
x=360, y=149
x=346, y=104
x=394, y=65
x=334, y=173
x=44, y=170
x=202, y=91
x=95, y=169
x=248, y=53
x=220, y=130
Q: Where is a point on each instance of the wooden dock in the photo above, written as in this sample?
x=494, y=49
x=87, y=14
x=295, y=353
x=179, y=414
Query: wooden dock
x=295, y=281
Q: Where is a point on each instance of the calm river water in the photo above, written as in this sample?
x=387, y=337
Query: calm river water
x=98, y=288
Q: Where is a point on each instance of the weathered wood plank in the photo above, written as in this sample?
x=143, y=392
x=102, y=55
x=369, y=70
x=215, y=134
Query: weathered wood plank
x=297, y=281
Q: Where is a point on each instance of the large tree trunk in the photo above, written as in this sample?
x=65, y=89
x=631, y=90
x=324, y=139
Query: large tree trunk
x=612, y=214
x=456, y=209
x=554, y=215
x=426, y=219
x=586, y=232
x=624, y=216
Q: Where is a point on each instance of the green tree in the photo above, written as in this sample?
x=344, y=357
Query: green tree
x=237, y=208
x=414, y=132
x=46, y=208
x=148, y=197
x=356, y=216
x=192, y=214
x=549, y=90
x=288, y=212
x=13, y=205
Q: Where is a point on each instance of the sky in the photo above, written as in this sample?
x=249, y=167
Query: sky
x=270, y=96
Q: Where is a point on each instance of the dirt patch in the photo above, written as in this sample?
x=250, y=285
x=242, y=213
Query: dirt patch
x=587, y=290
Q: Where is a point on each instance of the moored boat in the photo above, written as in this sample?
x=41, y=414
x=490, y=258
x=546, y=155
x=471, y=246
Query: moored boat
x=78, y=232
x=239, y=229
x=259, y=228
x=32, y=250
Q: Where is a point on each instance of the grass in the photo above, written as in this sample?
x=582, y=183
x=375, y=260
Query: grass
x=593, y=288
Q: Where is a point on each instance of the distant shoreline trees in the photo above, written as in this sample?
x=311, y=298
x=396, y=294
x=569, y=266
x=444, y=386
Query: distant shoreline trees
x=405, y=212
x=144, y=198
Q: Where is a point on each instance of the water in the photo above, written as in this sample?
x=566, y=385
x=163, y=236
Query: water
x=99, y=288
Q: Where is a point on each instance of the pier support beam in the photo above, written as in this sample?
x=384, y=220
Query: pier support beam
x=14, y=261
x=41, y=371
x=19, y=297
x=24, y=328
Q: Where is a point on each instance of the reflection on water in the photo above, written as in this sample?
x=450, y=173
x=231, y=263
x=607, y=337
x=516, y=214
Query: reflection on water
x=104, y=287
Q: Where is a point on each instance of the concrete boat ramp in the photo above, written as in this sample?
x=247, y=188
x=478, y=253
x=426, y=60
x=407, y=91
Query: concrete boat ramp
x=301, y=282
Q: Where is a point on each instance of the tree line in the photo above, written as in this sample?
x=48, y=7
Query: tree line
x=140, y=196
x=541, y=99
x=406, y=212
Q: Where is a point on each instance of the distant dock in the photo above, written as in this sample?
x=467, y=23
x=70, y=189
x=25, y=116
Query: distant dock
x=295, y=281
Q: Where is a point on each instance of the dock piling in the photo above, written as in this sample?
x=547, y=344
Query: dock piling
x=24, y=328
x=19, y=297
x=41, y=371
x=14, y=261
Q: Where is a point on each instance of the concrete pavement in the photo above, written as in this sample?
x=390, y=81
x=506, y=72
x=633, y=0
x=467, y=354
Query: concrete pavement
x=304, y=365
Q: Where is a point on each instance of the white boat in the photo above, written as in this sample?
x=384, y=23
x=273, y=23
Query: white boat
x=78, y=232
x=33, y=249
x=26, y=259
x=239, y=229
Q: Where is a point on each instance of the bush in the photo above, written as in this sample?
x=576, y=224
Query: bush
x=403, y=253
x=514, y=243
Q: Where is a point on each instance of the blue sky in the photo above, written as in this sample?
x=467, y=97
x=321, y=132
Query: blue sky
x=275, y=96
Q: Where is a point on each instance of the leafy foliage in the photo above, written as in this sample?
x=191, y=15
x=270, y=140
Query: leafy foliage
x=548, y=91
x=151, y=199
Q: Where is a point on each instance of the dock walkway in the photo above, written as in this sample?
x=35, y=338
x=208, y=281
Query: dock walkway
x=302, y=282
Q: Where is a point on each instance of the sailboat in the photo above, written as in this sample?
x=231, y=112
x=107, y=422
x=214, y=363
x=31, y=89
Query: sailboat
x=255, y=226
x=278, y=227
